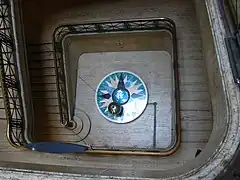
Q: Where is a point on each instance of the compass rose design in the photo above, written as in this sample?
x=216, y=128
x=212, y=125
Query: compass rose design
x=121, y=96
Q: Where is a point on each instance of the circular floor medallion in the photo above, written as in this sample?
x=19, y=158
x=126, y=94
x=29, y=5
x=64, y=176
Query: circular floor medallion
x=121, y=96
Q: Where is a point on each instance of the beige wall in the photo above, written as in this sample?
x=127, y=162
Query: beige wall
x=214, y=74
x=214, y=80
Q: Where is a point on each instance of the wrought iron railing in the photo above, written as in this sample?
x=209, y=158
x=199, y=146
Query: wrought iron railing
x=230, y=11
x=10, y=77
x=235, y=10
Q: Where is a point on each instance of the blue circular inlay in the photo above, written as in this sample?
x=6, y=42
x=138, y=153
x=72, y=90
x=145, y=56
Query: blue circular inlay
x=121, y=96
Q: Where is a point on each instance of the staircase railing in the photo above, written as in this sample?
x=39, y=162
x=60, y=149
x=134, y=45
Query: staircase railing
x=10, y=82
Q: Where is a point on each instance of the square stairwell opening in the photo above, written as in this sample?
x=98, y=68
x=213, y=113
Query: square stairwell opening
x=145, y=60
